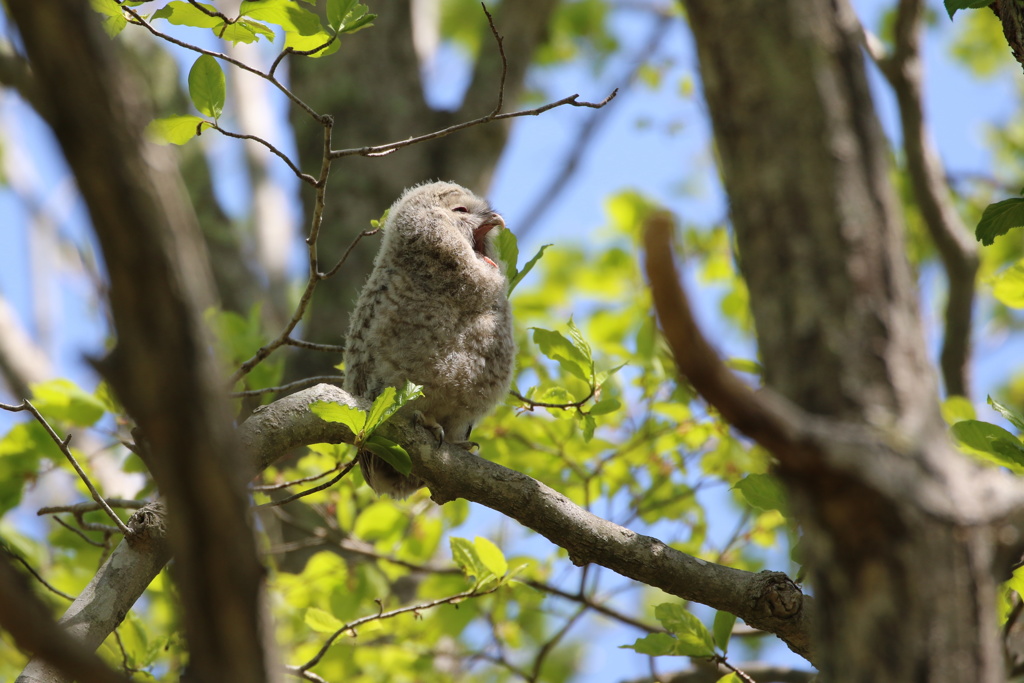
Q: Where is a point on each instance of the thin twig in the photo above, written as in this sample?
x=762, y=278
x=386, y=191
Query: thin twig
x=344, y=257
x=304, y=177
x=314, y=271
x=38, y=577
x=381, y=150
x=91, y=506
x=80, y=533
x=313, y=346
x=263, y=488
x=326, y=485
x=380, y=616
x=531, y=404
x=26, y=405
x=297, y=384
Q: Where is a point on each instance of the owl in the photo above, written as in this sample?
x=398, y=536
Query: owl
x=434, y=311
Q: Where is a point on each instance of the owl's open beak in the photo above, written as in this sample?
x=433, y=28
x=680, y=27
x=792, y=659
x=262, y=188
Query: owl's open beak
x=493, y=221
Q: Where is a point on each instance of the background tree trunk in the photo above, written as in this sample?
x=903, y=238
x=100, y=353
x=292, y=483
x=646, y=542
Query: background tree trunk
x=906, y=592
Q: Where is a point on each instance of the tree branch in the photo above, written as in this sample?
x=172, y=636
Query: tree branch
x=768, y=600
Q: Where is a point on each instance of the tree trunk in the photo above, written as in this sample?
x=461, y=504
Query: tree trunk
x=899, y=542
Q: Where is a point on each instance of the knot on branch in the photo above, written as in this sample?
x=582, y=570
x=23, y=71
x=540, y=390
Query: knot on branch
x=148, y=526
x=777, y=596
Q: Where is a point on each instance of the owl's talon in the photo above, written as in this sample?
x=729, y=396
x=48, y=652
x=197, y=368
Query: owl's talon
x=431, y=424
x=471, y=446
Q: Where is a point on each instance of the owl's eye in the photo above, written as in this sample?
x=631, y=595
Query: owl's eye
x=460, y=209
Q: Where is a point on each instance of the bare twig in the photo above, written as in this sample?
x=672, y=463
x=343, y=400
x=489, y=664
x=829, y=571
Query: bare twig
x=531, y=404
x=344, y=257
x=304, y=177
x=313, y=346
x=81, y=534
x=326, y=485
x=381, y=150
x=24, y=563
x=26, y=405
x=382, y=615
x=297, y=384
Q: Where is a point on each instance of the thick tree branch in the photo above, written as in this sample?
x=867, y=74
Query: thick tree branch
x=28, y=620
x=768, y=600
x=957, y=247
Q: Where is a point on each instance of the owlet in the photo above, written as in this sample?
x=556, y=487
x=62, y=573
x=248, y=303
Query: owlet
x=435, y=312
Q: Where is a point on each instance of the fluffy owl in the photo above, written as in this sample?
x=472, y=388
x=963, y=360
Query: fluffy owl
x=435, y=312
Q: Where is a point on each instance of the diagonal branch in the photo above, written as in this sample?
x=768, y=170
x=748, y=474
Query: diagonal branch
x=957, y=248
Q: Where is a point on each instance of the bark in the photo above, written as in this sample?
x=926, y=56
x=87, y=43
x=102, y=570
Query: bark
x=161, y=368
x=902, y=534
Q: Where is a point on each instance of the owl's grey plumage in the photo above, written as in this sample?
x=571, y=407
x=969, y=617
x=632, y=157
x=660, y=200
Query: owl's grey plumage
x=435, y=312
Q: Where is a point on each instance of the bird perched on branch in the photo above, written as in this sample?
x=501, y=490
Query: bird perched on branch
x=434, y=312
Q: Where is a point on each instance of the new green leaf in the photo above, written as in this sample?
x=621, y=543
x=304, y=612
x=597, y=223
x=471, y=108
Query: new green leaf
x=206, y=86
x=329, y=411
x=490, y=556
x=175, y=130
x=723, y=629
x=322, y=621
x=1011, y=415
x=390, y=452
x=953, y=5
x=762, y=491
x=992, y=441
x=693, y=638
x=999, y=218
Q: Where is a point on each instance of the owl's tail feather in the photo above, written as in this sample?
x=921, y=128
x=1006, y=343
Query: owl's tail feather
x=385, y=479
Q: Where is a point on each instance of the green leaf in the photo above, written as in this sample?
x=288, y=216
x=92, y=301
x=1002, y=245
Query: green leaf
x=182, y=13
x=763, y=492
x=389, y=402
x=381, y=520
x=1003, y=447
x=589, y=425
x=655, y=644
x=113, y=17
x=62, y=399
x=466, y=556
x=1000, y=218
x=329, y=411
x=302, y=28
x=527, y=267
x=353, y=24
x=175, y=130
x=390, y=452
x=1008, y=286
x=206, y=86
x=722, y=628
x=580, y=343
x=490, y=556
x=508, y=254
x=605, y=406
x=348, y=16
x=322, y=621
x=558, y=348
x=337, y=10
x=953, y=5
x=245, y=31
x=693, y=638
x=1011, y=415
